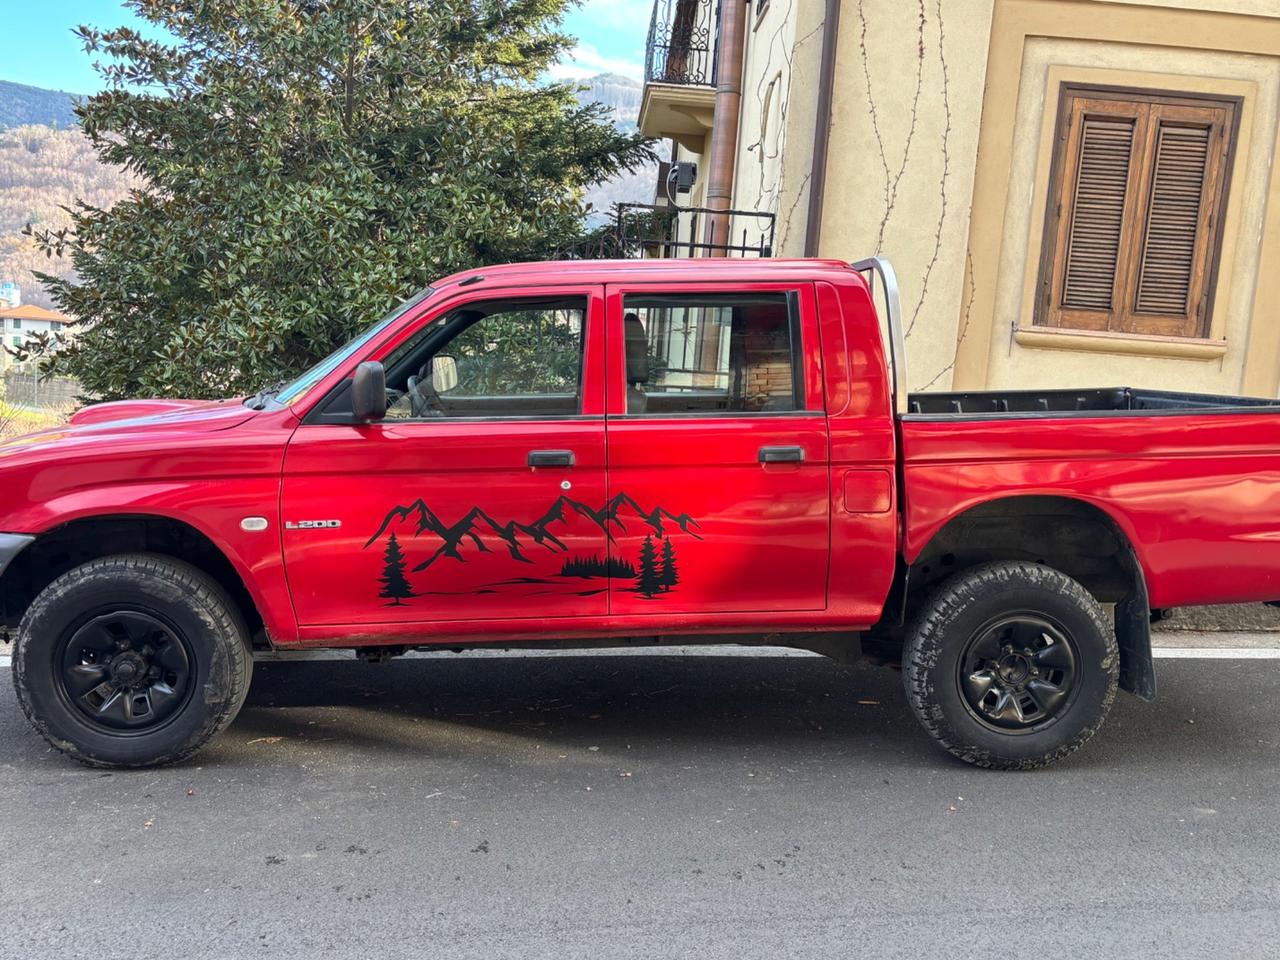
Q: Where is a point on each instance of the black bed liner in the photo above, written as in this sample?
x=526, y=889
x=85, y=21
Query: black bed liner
x=1093, y=401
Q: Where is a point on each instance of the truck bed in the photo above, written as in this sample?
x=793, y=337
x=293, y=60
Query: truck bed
x=1090, y=402
x=1192, y=480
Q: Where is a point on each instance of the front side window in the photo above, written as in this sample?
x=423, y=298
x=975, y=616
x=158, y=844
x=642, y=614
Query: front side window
x=697, y=354
x=492, y=359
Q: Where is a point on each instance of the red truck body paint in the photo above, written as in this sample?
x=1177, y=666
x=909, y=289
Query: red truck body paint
x=810, y=545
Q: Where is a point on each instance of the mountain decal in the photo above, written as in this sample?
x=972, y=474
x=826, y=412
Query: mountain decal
x=519, y=537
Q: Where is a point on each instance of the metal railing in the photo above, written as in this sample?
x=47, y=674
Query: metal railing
x=663, y=230
x=681, y=47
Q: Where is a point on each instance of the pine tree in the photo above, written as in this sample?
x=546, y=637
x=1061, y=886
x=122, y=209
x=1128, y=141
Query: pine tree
x=647, y=581
x=395, y=586
x=669, y=576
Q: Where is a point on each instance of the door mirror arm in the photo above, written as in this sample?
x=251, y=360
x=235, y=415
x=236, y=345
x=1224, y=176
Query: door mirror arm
x=369, y=392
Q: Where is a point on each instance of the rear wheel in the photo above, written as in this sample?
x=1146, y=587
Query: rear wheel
x=131, y=661
x=1011, y=665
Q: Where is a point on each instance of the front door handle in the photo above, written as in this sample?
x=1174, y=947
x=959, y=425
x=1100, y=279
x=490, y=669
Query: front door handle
x=782, y=454
x=551, y=458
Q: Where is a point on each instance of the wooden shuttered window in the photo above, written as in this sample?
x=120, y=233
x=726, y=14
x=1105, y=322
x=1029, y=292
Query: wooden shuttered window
x=1137, y=194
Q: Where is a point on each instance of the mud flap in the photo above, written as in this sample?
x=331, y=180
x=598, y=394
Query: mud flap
x=1133, y=635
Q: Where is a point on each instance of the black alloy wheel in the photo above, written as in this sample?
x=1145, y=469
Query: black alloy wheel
x=1018, y=672
x=125, y=670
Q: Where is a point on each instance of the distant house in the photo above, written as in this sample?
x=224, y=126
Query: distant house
x=19, y=324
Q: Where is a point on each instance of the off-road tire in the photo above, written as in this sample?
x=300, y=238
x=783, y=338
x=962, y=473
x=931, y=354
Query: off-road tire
x=200, y=611
x=956, y=611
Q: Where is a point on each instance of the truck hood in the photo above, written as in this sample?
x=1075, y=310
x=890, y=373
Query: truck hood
x=133, y=419
x=199, y=415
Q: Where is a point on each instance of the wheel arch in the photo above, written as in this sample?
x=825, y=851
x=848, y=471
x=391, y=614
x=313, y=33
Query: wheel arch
x=85, y=538
x=1074, y=536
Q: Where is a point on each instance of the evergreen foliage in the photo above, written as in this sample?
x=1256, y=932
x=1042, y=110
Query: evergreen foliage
x=304, y=165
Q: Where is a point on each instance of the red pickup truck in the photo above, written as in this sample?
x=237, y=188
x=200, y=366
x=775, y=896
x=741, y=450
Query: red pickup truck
x=597, y=453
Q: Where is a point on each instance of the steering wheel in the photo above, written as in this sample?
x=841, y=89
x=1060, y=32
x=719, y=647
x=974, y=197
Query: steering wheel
x=424, y=401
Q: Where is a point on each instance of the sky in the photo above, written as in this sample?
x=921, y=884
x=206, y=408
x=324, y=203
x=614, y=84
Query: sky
x=40, y=49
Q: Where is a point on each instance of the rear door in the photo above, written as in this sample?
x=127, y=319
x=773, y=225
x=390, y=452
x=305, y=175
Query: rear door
x=719, y=494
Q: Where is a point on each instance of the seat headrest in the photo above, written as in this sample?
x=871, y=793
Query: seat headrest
x=637, y=347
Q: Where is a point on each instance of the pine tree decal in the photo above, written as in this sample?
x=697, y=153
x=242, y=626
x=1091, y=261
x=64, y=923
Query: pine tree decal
x=395, y=586
x=668, y=577
x=647, y=580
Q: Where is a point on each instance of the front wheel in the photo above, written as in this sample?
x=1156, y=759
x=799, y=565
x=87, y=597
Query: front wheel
x=132, y=661
x=1011, y=665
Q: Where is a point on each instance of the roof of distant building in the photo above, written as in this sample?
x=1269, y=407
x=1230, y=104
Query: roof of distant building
x=31, y=312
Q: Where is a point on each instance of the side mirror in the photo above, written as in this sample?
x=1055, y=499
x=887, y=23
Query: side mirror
x=369, y=392
x=444, y=373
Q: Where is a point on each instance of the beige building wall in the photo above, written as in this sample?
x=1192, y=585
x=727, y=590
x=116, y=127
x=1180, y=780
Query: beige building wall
x=1225, y=48
x=907, y=110
x=768, y=113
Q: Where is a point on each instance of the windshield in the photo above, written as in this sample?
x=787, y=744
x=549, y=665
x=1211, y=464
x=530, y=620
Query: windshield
x=294, y=391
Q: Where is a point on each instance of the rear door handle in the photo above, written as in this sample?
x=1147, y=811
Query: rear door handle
x=551, y=458
x=782, y=454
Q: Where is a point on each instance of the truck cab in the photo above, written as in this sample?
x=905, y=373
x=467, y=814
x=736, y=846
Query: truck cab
x=546, y=434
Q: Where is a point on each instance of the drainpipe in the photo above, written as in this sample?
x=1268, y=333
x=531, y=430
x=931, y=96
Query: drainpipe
x=822, y=128
x=732, y=32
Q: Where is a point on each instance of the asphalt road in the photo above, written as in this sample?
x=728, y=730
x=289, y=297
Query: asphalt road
x=648, y=807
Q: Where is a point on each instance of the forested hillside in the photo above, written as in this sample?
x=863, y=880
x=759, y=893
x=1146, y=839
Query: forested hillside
x=42, y=170
x=21, y=104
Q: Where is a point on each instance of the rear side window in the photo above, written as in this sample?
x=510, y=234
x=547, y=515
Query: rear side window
x=699, y=354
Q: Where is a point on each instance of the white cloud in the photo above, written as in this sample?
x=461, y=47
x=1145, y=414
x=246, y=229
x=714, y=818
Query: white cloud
x=585, y=61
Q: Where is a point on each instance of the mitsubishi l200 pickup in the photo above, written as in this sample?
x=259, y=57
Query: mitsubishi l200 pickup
x=594, y=453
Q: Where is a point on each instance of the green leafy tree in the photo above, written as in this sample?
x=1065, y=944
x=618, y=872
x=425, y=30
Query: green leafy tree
x=668, y=576
x=303, y=165
x=395, y=585
x=648, y=581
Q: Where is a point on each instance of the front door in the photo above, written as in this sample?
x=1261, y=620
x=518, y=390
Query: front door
x=479, y=496
x=718, y=453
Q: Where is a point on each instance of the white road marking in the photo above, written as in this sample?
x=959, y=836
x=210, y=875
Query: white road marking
x=1216, y=653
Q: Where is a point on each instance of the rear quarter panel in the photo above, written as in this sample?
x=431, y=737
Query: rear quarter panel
x=863, y=457
x=1198, y=495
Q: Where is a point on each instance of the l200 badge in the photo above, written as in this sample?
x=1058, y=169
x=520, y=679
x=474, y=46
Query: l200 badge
x=312, y=524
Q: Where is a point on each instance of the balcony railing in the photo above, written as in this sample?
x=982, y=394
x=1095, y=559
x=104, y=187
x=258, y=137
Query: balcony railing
x=661, y=230
x=681, y=48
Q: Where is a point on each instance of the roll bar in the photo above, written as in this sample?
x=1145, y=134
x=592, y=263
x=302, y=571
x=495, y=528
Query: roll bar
x=893, y=306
